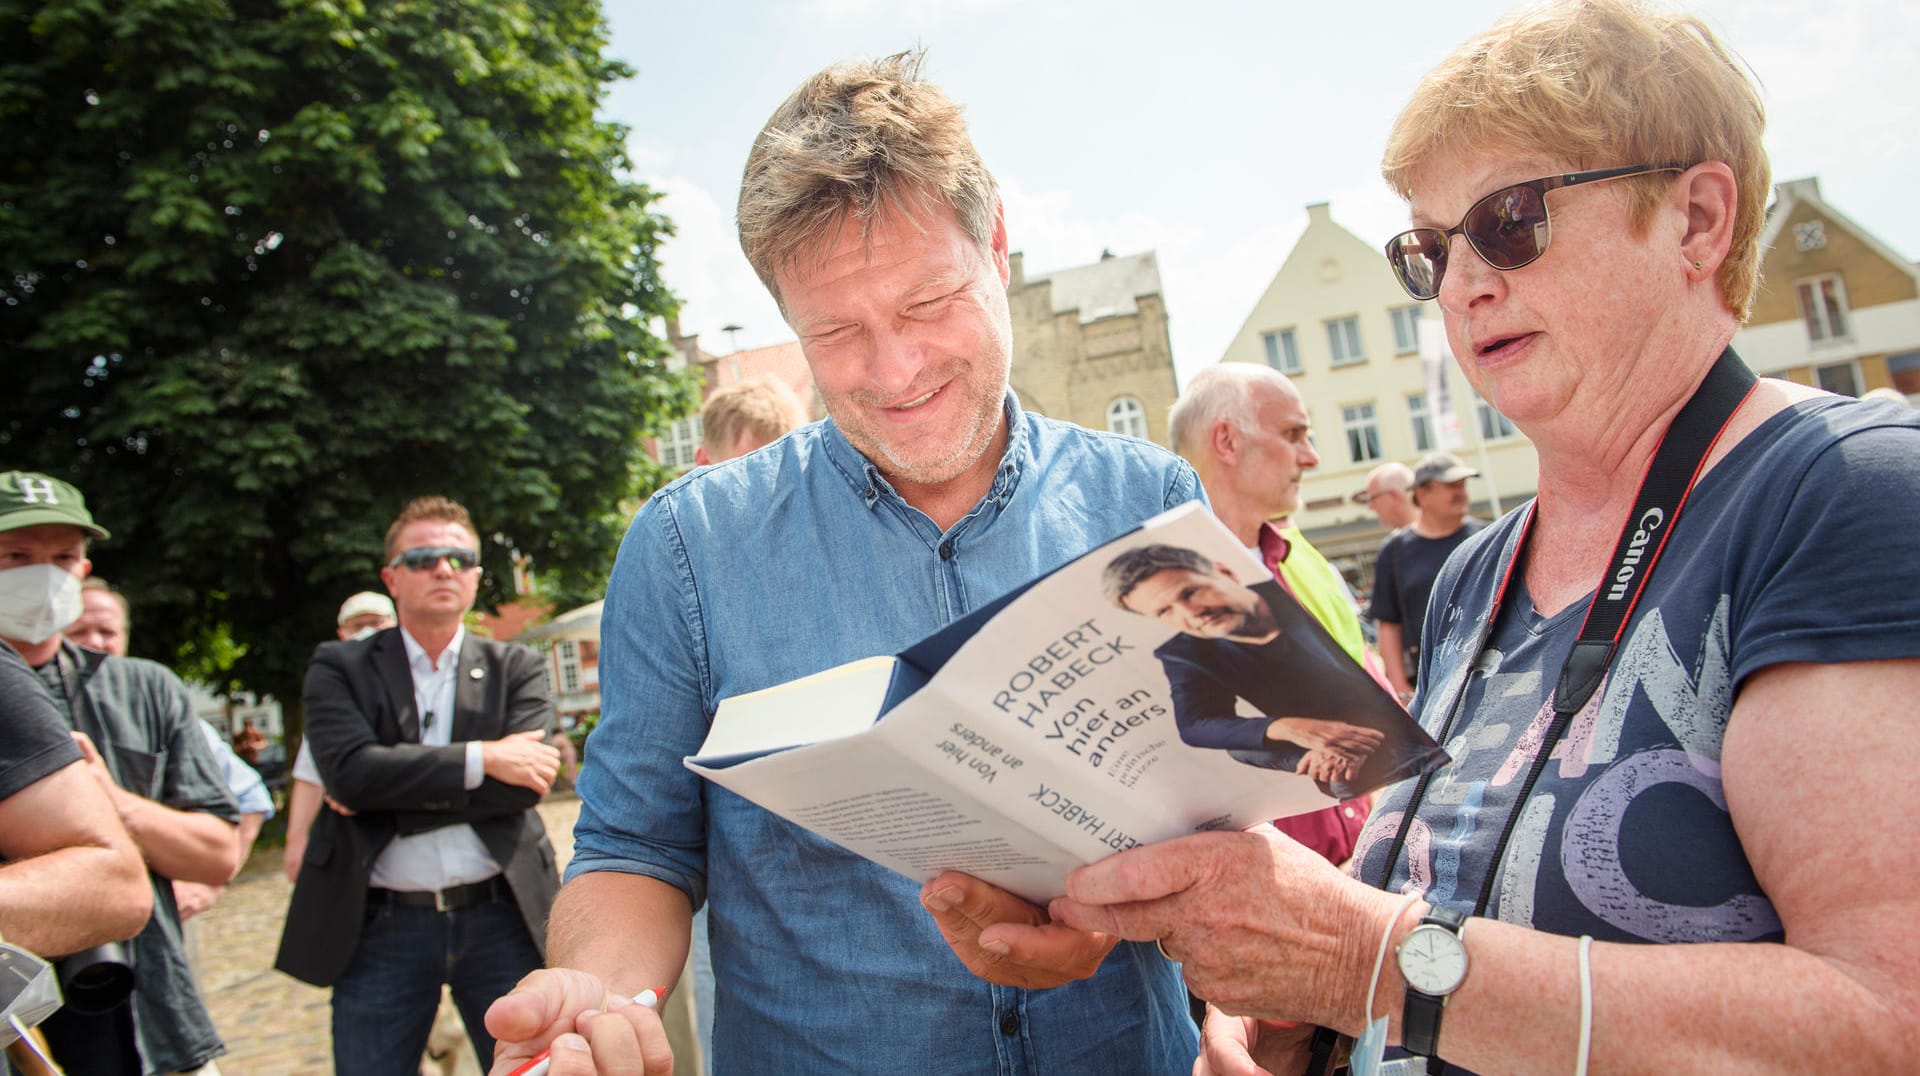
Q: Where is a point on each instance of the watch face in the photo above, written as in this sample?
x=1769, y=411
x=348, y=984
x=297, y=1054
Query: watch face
x=1433, y=960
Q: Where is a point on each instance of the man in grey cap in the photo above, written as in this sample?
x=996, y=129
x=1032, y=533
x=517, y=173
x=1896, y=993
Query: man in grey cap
x=1389, y=494
x=1410, y=560
x=141, y=739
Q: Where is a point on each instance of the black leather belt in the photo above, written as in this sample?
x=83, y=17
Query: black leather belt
x=446, y=900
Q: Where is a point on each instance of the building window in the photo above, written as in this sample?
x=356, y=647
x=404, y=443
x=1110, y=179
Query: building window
x=1363, y=433
x=1126, y=415
x=1493, y=425
x=1406, y=329
x=1823, y=305
x=1840, y=377
x=1422, y=422
x=569, y=655
x=677, y=447
x=1283, y=352
x=1343, y=339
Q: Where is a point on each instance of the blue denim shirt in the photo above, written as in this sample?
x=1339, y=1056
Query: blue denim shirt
x=785, y=562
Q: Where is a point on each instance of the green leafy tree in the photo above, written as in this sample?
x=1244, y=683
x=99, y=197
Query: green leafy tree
x=270, y=269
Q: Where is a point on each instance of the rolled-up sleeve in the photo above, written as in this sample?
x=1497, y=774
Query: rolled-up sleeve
x=641, y=809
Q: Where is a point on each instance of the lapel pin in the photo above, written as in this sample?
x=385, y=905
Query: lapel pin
x=476, y=673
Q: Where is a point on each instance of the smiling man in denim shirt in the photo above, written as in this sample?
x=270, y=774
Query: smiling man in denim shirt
x=925, y=494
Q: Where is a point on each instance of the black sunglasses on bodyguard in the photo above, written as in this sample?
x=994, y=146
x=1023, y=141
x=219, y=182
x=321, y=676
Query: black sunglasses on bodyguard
x=425, y=558
x=1508, y=229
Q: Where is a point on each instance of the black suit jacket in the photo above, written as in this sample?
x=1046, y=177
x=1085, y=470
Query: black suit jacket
x=362, y=724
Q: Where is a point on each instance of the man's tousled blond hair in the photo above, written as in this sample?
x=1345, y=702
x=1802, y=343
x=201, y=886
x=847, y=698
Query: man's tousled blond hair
x=853, y=143
x=1600, y=83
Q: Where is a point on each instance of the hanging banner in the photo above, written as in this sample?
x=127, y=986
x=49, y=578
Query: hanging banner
x=1435, y=359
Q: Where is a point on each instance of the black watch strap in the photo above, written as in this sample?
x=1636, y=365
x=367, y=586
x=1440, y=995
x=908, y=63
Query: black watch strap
x=1420, y=1018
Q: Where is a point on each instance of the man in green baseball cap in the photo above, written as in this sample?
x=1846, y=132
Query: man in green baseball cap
x=29, y=499
x=134, y=723
x=46, y=527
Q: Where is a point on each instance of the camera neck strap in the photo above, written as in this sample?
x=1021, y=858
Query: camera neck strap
x=1664, y=490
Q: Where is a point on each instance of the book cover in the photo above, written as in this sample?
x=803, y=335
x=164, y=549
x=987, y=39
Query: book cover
x=1160, y=685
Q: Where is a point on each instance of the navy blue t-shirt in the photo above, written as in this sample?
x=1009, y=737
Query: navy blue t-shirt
x=1403, y=577
x=1786, y=552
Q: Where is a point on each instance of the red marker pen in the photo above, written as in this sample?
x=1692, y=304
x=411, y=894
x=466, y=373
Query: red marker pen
x=537, y=1066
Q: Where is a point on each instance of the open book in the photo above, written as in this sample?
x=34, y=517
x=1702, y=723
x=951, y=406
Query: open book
x=1160, y=685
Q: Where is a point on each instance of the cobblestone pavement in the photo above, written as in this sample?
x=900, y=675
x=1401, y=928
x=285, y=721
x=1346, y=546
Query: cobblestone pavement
x=275, y=1025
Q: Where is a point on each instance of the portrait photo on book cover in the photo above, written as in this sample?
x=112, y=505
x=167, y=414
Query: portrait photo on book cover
x=1228, y=671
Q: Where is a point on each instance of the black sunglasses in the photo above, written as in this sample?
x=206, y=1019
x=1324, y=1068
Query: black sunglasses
x=1508, y=229
x=425, y=558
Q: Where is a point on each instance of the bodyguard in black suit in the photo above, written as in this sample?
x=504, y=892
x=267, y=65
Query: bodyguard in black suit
x=429, y=864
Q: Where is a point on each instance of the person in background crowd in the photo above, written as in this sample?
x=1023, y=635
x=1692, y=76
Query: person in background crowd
x=249, y=742
x=1389, y=495
x=741, y=417
x=360, y=616
x=869, y=215
x=1410, y=559
x=435, y=868
x=70, y=875
x=133, y=722
x=105, y=625
x=1588, y=184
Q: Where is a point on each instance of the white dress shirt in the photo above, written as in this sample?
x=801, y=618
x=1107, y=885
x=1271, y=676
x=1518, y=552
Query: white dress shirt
x=451, y=855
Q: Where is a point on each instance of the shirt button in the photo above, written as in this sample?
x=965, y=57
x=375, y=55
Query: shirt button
x=946, y=553
x=1010, y=1024
x=1349, y=811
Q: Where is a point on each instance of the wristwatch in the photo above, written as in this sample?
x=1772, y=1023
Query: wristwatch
x=1433, y=961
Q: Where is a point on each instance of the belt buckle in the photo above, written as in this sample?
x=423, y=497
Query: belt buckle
x=440, y=901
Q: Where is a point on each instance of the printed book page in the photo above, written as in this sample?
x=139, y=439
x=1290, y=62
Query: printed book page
x=1161, y=685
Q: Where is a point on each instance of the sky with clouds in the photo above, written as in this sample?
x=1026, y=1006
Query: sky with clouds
x=1200, y=131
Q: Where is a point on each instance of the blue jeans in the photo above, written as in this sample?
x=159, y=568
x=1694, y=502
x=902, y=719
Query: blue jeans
x=383, y=1004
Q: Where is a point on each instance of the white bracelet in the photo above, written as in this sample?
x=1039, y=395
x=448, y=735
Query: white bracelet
x=1586, y=1005
x=1380, y=958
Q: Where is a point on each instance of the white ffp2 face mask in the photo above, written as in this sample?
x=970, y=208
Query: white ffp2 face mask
x=37, y=602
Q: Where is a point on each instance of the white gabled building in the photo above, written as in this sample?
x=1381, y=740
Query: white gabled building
x=1336, y=321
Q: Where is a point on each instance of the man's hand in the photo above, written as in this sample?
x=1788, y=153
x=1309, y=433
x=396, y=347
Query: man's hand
x=98, y=767
x=1355, y=742
x=192, y=898
x=1243, y=1046
x=523, y=759
x=589, y=1030
x=1006, y=940
x=341, y=808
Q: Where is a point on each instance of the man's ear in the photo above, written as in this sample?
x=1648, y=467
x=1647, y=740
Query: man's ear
x=1223, y=439
x=998, y=246
x=700, y=457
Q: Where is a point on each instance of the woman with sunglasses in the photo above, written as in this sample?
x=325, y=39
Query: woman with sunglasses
x=1659, y=682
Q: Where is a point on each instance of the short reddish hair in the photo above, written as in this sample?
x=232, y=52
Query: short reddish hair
x=436, y=509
